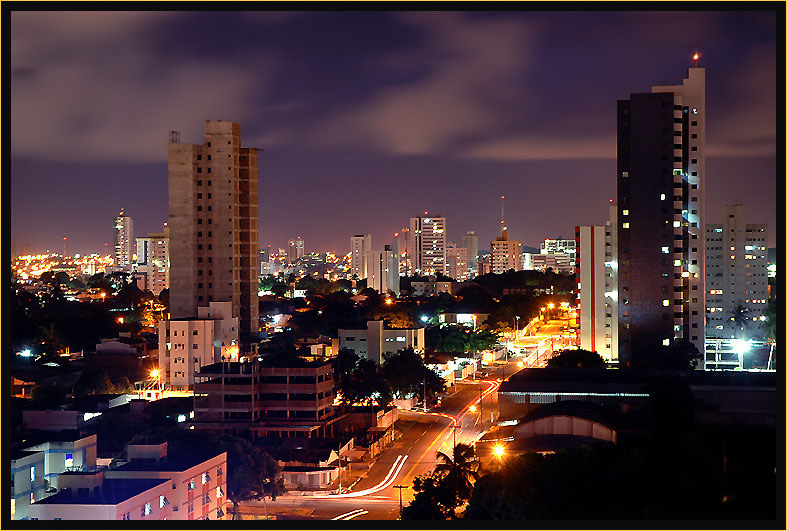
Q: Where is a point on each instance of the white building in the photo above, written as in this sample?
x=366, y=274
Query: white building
x=375, y=342
x=611, y=283
x=430, y=288
x=152, y=266
x=383, y=269
x=457, y=262
x=426, y=245
x=360, y=249
x=558, y=262
x=736, y=273
x=558, y=245
x=27, y=482
x=187, y=344
x=123, y=237
x=594, y=334
x=506, y=254
x=198, y=482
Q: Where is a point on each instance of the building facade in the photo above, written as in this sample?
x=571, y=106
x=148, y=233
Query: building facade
x=295, y=249
x=470, y=242
x=360, y=249
x=375, y=341
x=152, y=266
x=661, y=237
x=506, y=254
x=736, y=272
x=213, y=215
x=123, y=236
x=594, y=334
x=457, y=262
x=266, y=398
x=427, y=245
x=187, y=344
x=383, y=268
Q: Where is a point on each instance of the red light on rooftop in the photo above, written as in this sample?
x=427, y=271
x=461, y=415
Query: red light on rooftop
x=696, y=56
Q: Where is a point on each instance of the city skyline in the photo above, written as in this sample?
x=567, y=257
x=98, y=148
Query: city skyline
x=442, y=103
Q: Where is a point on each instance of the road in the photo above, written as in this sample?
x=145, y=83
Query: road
x=375, y=497
x=413, y=454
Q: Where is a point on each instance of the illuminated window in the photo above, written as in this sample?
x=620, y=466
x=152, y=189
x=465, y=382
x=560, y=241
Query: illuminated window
x=69, y=460
x=625, y=212
x=626, y=225
x=665, y=250
x=665, y=302
x=663, y=197
x=676, y=224
x=676, y=263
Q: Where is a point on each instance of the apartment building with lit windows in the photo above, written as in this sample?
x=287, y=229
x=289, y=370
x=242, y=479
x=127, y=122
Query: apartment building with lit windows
x=457, y=262
x=152, y=265
x=661, y=233
x=426, y=245
x=736, y=273
x=360, y=249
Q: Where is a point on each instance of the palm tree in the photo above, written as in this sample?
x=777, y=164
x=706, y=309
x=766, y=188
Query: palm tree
x=458, y=474
x=739, y=319
x=770, y=321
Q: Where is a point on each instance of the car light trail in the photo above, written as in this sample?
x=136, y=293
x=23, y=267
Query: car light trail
x=385, y=483
x=351, y=514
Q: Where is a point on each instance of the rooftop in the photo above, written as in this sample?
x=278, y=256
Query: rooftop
x=112, y=492
x=168, y=463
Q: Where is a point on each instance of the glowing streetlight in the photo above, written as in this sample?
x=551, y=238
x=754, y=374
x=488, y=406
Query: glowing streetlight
x=424, y=318
x=120, y=320
x=521, y=364
x=551, y=305
x=154, y=373
x=473, y=408
x=499, y=451
x=388, y=301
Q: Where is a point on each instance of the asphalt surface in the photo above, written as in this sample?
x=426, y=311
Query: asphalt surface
x=415, y=453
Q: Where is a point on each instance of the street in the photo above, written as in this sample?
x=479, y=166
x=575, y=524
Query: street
x=463, y=417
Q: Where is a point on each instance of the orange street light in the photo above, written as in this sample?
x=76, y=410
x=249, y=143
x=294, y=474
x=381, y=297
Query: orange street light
x=120, y=320
x=499, y=451
x=551, y=305
x=388, y=301
x=154, y=373
x=473, y=408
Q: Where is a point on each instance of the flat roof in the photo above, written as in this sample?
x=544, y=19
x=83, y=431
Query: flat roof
x=112, y=492
x=167, y=463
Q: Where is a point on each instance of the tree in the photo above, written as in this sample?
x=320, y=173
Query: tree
x=458, y=473
x=432, y=501
x=680, y=354
x=576, y=359
x=359, y=379
x=771, y=319
x=407, y=375
x=93, y=381
x=51, y=340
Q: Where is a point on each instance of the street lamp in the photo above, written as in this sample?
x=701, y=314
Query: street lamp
x=499, y=451
x=155, y=373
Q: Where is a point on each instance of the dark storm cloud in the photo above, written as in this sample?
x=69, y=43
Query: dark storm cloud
x=462, y=107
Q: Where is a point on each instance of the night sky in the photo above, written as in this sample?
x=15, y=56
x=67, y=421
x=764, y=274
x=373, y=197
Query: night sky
x=368, y=118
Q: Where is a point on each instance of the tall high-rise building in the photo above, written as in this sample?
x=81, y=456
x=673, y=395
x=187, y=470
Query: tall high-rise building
x=383, y=268
x=295, y=249
x=611, y=322
x=456, y=261
x=470, y=242
x=593, y=294
x=124, y=242
x=152, y=267
x=426, y=244
x=213, y=212
x=661, y=200
x=736, y=272
x=506, y=254
x=360, y=248
x=399, y=246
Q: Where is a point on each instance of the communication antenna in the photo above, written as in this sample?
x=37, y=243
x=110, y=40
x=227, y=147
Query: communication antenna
x=502, y=210
x=174, y=137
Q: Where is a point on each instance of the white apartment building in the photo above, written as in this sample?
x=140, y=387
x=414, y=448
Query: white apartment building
x=123, y=236
x=375, y=341
x=558, y=245
x=595, y=334
x=558, y=262
x=506, y=254
x=27, y=481
x=383, y=268
x=457, y=262
x=198, y=488
x=736, y=274
x=187, y=344
x=360, y=249
x=152, y=266
x=426, y=245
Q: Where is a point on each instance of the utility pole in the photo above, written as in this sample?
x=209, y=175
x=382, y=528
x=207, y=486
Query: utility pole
x=481, y=405
x=424, y=394
x=400, y=487
x=340, y=466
